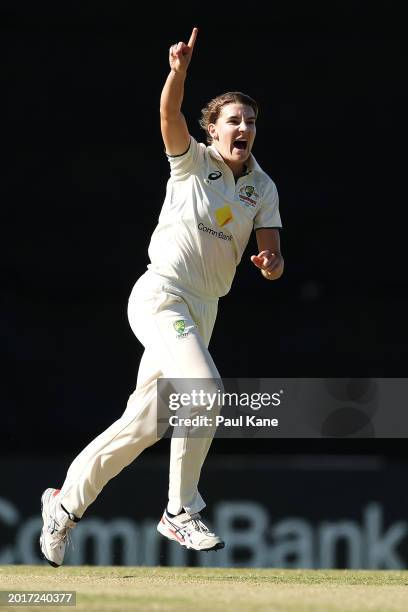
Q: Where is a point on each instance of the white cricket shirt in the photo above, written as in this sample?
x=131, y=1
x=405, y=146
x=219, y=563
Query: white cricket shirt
x=207, y=218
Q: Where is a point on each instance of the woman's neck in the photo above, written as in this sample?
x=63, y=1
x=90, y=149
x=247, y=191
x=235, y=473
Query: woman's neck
x=237, y=171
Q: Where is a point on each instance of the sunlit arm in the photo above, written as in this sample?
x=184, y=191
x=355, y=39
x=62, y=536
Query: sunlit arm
x=174, y=129
x=269, y=259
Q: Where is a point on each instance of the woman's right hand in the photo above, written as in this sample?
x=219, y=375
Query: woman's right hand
x=180, y=54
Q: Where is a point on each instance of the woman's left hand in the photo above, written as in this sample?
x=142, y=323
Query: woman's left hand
x=271, y=264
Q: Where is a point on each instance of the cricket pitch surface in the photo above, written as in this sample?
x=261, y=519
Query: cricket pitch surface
x=190, y=589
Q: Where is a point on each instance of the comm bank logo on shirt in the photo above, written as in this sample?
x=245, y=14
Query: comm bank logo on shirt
x=248, y=195
x=223, y=215
x=180, y=327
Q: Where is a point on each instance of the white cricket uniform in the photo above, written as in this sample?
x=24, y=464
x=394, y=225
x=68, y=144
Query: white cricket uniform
x=204, y=226
x=207, y=219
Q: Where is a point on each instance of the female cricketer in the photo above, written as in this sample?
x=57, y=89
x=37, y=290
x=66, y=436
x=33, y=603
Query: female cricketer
x=216, y=195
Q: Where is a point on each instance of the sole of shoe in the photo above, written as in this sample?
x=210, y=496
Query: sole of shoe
x=216, y=547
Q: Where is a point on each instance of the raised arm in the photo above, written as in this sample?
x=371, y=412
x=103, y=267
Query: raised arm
x=174, y=128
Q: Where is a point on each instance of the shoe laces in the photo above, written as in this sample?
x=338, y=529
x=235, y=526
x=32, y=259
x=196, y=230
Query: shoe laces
x=63, y=534
x=64, y=537
x=198, y=524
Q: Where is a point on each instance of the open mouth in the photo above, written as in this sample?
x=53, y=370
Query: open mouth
x=240, y=144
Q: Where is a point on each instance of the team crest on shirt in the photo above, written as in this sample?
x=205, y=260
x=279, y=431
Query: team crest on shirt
x=248, y=195
x=180, y=327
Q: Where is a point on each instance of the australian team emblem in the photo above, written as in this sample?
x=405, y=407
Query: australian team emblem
x=248, y=195
x=181, y=328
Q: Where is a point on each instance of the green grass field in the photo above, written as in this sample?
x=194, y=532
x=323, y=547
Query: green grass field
x=195, y=589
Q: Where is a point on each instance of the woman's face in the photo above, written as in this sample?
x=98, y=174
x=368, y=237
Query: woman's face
x=234, y=133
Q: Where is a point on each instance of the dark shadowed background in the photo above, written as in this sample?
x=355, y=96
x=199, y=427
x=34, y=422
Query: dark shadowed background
x=84, y=180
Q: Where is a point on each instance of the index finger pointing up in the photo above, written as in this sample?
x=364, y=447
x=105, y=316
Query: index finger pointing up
x=193, y=37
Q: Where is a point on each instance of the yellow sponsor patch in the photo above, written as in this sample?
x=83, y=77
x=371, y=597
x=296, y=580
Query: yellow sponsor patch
x=223, y=215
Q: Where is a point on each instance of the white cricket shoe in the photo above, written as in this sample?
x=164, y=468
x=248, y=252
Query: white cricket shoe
x=189, y=531
x=55, y=531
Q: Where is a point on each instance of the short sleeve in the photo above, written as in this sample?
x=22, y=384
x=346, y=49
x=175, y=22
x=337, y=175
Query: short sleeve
x=268, y=214
x=184, y=164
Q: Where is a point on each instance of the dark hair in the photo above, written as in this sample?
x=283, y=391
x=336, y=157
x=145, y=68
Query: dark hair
x=212, y=110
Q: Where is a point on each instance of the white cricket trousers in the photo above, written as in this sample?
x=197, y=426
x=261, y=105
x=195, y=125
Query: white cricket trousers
x=155, y=305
